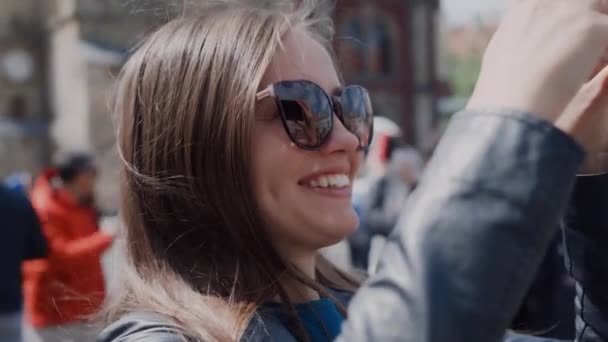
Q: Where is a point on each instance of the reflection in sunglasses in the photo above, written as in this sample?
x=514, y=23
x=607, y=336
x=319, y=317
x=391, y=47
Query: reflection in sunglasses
x=302, y=122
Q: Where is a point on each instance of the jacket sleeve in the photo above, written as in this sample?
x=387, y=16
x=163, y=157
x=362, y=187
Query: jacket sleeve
x=512, y=337
x=67, y=249
x=141, y=327
x=586, y=236
x=473, y=234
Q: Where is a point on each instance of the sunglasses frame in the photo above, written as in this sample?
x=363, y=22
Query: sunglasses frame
x=336, y=105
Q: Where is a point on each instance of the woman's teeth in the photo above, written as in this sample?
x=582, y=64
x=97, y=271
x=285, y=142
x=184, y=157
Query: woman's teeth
x=330, y=181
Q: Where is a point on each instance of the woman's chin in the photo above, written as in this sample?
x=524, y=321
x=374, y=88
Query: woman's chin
x=340, y=231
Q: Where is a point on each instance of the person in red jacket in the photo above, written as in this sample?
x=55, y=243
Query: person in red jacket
x=62, y=290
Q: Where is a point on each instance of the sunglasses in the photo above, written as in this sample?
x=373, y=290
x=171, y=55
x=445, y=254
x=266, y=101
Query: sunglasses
x=307, y=112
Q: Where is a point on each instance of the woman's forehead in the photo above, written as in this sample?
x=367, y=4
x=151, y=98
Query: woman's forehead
x=302, y=58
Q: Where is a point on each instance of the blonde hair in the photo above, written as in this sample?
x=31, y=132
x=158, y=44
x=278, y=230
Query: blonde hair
x=196, y=249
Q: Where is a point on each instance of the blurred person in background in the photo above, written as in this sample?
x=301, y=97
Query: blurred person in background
x=21, y=240
x=20, y=182
x=380, y=206
x=387, y=137
x=67, y=286
x=387, y=199
x=389, y=193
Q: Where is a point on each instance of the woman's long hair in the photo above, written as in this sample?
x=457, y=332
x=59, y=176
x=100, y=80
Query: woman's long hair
x=195, y=245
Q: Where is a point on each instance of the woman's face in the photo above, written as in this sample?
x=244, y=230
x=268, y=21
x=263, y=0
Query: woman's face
x=300, y=213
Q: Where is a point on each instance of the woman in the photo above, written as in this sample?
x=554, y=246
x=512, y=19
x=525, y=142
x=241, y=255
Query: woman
x=226, y=202
x=220, y=179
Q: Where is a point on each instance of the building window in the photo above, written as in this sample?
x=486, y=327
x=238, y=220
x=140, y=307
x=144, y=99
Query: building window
x=352, y=47
x=381, y=49
x=17, y=108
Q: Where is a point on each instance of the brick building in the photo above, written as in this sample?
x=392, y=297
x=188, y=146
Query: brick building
x=390, y=46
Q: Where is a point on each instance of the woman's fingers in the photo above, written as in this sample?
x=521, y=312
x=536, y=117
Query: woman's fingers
x=586, y=116
x=541, y=54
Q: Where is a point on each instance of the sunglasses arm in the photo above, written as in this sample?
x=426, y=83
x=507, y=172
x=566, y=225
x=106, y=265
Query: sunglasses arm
x=265, y=93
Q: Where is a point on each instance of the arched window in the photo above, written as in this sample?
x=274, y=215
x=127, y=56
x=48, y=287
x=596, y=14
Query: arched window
x=352, y=46
x=381, y=48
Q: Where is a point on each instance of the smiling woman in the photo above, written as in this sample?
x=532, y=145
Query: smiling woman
x=303, y=218
x=238, y=168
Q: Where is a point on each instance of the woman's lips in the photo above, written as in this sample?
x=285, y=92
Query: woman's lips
x=334, y=182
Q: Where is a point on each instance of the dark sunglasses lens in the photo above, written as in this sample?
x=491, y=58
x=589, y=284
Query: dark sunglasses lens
x=357, y=114
x=306, y=110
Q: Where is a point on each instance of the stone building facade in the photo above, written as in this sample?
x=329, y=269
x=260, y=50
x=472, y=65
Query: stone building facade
x=24, y=111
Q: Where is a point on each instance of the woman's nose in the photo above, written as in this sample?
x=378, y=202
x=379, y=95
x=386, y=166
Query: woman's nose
x=340, y=139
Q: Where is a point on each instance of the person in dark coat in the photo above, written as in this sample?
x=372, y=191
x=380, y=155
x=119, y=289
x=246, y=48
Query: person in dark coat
x=21, y=240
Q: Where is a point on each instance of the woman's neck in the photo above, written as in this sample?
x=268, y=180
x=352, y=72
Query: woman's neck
x=296, y=290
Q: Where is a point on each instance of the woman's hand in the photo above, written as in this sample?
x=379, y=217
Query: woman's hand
x=586, y=120
x=541, y=55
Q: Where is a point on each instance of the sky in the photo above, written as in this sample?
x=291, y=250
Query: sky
x=459, y=11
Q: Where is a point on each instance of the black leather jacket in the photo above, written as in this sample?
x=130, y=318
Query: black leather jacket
x=462, y=257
